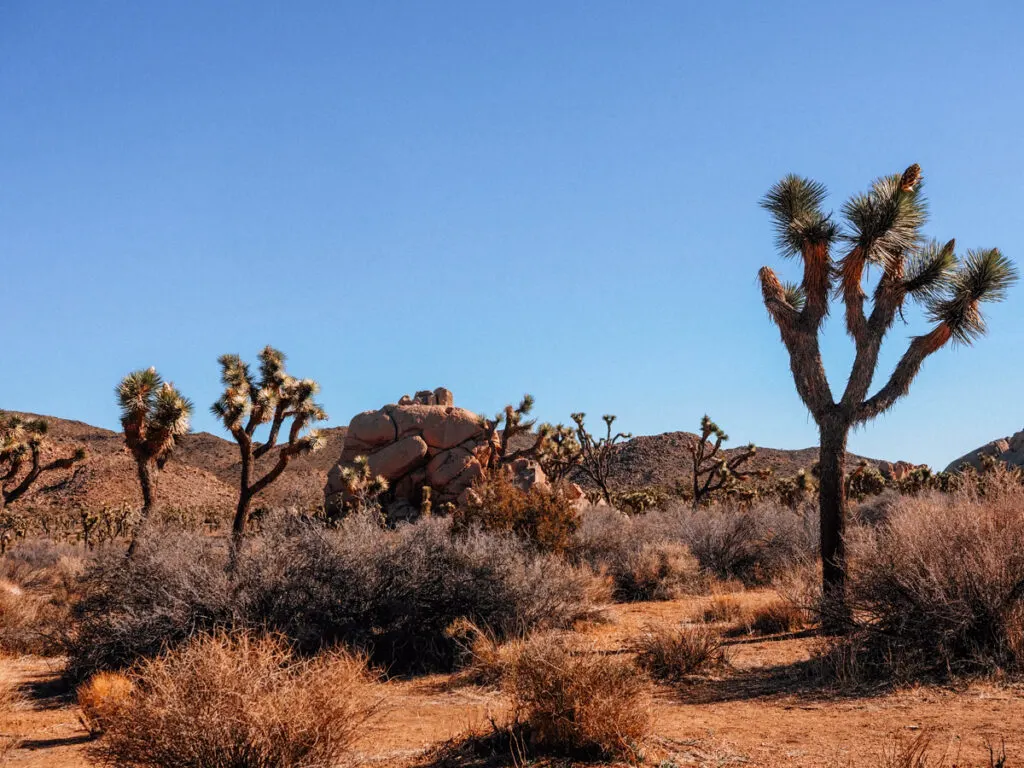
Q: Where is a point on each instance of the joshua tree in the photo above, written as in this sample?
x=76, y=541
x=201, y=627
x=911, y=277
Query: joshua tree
x=22, y=444
x=882, y=229
x=712, y=472
x=153, y=415
x=512, y=422
x=597, y=455
x=363, y=489
x=247, y=403
x=560, y=452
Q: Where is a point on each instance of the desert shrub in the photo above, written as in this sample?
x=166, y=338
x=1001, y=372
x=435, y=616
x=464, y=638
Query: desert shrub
x=581, y=704
x=754, y=544
x=874, y=510
x=675, y=653
x=938, y=589
x=37, y=587
x=641, y=560
x=173, y=587
x=239, y=701
x=395, y=593
x=543, y=516
x=483, y=658
x=390, y=593
x=99, y=697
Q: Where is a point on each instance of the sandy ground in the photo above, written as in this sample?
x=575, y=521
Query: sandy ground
x=764, y=711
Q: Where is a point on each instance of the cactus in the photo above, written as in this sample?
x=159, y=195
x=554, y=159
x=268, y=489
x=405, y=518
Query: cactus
x=712, y=472
x=153, y=415
x=249, y=402
x=883, y=229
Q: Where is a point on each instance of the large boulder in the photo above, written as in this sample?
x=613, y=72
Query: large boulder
x=423, y=440
x=1007, y=449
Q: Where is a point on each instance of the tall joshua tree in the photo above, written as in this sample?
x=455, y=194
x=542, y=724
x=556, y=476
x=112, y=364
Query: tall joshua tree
x=273, y=398
x=22, y=444
x=153, y=415
x=882, y=228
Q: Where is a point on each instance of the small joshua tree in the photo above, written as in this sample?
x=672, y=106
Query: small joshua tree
x=22, y=444
x=153, y=415
x=882, y=229
x=363, y=489
x=512, y=422
x=713, y=472
x=597, y=455
x=560, y=452
x=247, y=403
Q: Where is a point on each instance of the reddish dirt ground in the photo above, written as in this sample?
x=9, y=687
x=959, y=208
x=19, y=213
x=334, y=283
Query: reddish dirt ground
x=763, y=711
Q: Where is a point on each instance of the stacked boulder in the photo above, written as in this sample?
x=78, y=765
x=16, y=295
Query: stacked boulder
x=1009, y=450
x=420, y=441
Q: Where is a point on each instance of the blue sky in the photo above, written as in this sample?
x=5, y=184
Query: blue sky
x=558, y=198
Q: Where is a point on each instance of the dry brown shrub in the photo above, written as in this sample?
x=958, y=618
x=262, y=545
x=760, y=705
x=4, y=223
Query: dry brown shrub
x=37, y=588
x=641, y=560
x=240, y=701
x=580, y=703
x=545, y=517
x=486, y=658
x=675, y=653
x=938, y=589
x=100, y=697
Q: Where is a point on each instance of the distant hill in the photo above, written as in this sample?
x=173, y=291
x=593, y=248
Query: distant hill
x=204, y=471
x=203, y=474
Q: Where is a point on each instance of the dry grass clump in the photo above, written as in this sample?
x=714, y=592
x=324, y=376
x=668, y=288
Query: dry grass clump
x=582, y=704
x=100, y=696
x=938, y=589
x=239, y=701
x=776, y=617
x=642, y=562
x=37, y=587
x=676, y=653
x=725, y=608
x=484, y=658
x=919, y=751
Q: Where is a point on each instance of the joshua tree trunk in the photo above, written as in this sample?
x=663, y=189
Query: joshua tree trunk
x=832, y=510
x=146, y=482
x=245, y=495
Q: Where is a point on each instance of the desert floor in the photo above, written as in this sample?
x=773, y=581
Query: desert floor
x=763, y=711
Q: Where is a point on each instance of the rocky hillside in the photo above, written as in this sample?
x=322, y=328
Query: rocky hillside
x=663, y=460
x=204, y=471
x=202, y=475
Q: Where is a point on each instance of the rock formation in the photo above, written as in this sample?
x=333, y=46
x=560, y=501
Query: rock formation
x=1008, y=449
x=420, y=441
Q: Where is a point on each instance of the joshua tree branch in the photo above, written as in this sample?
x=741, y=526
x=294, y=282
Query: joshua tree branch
x=907, y=368
x=804, y=353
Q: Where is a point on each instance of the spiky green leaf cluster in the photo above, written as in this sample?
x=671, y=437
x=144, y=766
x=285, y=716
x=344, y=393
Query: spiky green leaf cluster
x=795, y=295
x=929, y=270
x=983, y=275
x=153, y=414
x=886, y=221
x=247, y=402
x=795, y=206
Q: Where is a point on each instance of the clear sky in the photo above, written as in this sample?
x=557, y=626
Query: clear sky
x=548, y=197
